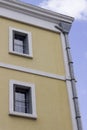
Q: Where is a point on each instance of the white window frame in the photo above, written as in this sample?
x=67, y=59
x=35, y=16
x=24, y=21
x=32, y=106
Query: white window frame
x=11, y=99
x=29, y=35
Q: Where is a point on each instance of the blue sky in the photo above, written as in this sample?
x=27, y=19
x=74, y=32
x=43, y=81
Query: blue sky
x=78, y=42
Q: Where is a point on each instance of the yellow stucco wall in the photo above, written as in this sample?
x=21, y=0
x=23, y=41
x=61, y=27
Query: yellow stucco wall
x=47, y=49
x=51, y=103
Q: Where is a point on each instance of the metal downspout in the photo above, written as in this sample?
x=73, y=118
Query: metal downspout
x=73, y=83
x=65, y=28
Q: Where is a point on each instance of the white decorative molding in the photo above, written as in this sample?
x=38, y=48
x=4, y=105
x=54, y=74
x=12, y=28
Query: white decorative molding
x=11, y=39
x=65, y=56
x=29, y=14
x=28, y=9
x=68, y=84
x=32, y=71
x=11, y=99
x=27, y=19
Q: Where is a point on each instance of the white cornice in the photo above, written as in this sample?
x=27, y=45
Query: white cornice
x=34, y=11
x=32, y=71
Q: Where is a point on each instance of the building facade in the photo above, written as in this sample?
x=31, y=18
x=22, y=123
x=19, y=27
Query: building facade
x=37, y=84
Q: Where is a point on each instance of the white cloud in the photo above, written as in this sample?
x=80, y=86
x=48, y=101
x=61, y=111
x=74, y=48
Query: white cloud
x=74, y=8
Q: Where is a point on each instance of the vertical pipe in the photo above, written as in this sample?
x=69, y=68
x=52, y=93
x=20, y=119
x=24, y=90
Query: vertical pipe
x=73, y=83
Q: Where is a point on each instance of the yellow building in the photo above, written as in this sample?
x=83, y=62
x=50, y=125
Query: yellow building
x=37, y=84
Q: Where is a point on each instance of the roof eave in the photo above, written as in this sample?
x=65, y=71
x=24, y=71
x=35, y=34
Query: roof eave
x=35, y=11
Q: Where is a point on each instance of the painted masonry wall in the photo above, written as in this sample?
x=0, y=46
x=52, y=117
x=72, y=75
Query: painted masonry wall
x=47, y=54
x=51, y=94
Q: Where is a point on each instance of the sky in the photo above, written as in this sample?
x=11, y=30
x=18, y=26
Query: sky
x=78, y=42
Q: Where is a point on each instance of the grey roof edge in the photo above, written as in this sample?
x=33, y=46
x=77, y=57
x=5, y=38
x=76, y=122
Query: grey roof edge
x=28, y=9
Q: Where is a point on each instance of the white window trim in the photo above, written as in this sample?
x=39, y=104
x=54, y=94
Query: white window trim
x=11, y=101
x=11, y=42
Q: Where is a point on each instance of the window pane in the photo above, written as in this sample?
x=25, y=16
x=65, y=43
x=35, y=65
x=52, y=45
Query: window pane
x=20, y=42
x=18, y=45
x=22, y=100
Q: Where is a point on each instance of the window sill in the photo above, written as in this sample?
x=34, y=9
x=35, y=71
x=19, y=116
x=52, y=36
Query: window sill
x=33, y=116
x=20, y=54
